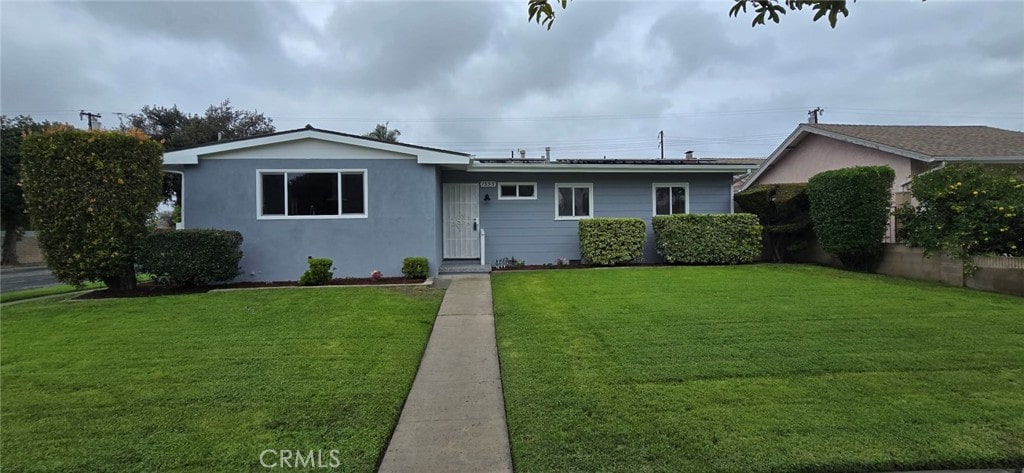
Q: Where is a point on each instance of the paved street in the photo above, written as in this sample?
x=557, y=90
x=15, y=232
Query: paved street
x=25, y=277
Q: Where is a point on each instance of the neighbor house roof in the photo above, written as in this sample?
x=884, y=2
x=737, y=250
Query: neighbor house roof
x=927, y=143
x=423, y=154
x=938, y=141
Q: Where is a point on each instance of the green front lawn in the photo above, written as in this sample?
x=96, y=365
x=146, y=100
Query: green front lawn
x=206, y=382
x=756, y=369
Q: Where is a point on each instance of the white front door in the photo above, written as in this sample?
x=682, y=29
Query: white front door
x=461, y=220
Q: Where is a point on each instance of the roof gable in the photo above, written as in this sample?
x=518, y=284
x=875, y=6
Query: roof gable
x=422, y=154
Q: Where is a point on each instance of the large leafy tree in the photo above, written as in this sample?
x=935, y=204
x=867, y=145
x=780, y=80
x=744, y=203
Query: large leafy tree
x=176, y=129
x=543, y=13
x=382, y=133
x=966, y=210
x=12, y=202
x=89, y=194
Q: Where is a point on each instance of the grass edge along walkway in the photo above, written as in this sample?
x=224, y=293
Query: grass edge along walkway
x=206, y=382
x=757, y=368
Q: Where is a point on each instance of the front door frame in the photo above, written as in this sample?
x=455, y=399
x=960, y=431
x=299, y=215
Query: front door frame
x=460, y=221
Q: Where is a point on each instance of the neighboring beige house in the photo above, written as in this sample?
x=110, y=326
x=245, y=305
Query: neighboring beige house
x=909, y=150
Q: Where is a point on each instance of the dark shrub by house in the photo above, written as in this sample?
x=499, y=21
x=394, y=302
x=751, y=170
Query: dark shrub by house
x=708, y=238
x=319, y=272
x=784, y=211
x=609, y=241
x=850, y=210
x=191, y=257
x=416, y=267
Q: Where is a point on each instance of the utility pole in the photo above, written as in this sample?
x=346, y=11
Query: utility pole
x=94, y=123
x=814, y=114
x=661, y=143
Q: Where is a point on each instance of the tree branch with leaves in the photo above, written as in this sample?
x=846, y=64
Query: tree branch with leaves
x=543, y=12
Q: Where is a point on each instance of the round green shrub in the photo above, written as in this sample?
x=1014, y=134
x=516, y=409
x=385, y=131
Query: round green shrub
x=416, y=267
x=319, y=272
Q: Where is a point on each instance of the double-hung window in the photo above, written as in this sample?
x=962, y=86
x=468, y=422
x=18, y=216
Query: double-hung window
x=517, y=191
x=312, y=193
x=574, y=201
x=671, y=199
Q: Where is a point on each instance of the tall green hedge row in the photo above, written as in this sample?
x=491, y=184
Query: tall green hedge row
x=850, y=209
x=708, y=238
x=611, y=241
x=192, y=257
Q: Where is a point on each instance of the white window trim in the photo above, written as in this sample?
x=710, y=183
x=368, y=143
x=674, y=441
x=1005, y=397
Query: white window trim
x=589, y=186
x=339, y=172
x=517, y=184
x=654, y=195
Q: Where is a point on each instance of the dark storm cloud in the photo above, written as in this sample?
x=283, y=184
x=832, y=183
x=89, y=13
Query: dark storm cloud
x=249, y=27
x=386, y=47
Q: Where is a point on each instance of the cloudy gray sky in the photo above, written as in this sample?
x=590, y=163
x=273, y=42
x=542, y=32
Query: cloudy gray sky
x=475, y=76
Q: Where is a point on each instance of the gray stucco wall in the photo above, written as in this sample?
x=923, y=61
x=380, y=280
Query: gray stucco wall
x=402, y=208
x=527, y=229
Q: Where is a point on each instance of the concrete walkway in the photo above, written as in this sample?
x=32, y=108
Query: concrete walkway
x=454, y=419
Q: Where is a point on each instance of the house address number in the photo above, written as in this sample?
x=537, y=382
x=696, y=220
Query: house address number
x=488, y=184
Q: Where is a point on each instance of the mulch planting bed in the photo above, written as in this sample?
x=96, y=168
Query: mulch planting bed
x=150, y=290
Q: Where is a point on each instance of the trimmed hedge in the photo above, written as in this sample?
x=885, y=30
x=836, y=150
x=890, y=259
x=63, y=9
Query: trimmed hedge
x=191, y=257
x=708, y=238
x=850, y=210
x=611, y=241
x=319, y=272
x=416, y=267
x=89, y=194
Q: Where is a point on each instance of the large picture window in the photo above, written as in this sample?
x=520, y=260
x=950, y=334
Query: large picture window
x=312, y=193
x=670, y=199
x=574, y=201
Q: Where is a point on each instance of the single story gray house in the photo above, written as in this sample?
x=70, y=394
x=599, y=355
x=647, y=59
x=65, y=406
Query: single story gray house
x=368, y=204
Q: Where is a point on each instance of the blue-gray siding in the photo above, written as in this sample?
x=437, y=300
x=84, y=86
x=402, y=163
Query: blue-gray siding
x=527, y=229
x=402, y=206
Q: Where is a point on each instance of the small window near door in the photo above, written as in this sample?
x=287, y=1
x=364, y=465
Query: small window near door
x=517, y=191
x=671, y=199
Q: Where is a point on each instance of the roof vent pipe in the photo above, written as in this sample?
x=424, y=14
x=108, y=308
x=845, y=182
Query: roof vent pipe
x=547, y=153
x=689, y=155
x=522, y=154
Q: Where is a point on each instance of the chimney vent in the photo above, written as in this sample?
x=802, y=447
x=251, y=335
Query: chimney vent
x=689, y=155
x=522, y=154
x=547, y=153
